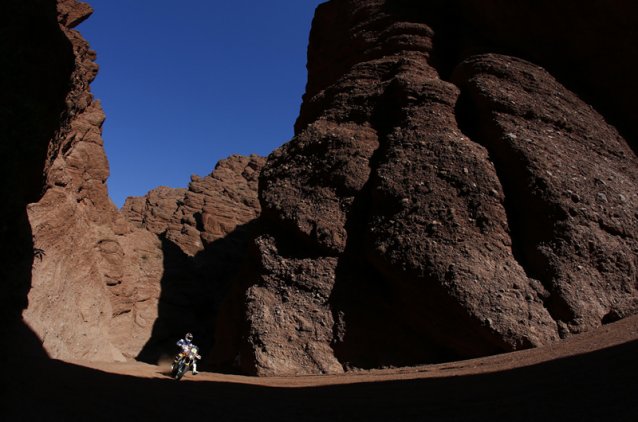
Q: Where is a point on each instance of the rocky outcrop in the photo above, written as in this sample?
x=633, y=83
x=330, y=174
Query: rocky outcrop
x=30, y=109
x=95, y=285
x=585, y=45
x=204, y=231
x=211, y=207
x=439, y=203
x=288, y=314
x=571, y=184
x=155, y=210
x=101, y=287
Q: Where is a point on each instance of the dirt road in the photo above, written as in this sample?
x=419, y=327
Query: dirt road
x=588, y=377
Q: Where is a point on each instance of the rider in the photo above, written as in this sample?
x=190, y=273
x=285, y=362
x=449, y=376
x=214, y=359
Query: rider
x=187, y=344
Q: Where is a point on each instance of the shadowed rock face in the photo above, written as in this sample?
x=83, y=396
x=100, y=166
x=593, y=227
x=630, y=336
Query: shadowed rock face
x=30, y=108
x=204, y=231
x=440, y=200
x=570, y=182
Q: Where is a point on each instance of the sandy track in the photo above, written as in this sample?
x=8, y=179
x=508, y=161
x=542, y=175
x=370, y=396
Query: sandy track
x=588, y=377
x=608, y=336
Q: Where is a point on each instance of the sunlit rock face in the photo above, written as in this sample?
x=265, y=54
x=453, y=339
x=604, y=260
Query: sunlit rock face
x=102, y=287
x=447, y=193
x=209, y=209
x=95, y=280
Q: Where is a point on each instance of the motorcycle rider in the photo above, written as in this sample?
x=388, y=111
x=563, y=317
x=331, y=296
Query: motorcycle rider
x=187, y=345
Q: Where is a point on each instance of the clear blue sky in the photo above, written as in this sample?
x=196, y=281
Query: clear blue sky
x=185, y=84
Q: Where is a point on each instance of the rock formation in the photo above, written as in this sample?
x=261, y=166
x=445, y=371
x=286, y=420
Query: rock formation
x=438, y=201
x=30, y=109
x=211, y=207
x=101, y=287
x=204, y=231
x=94, y=287
x=453, y=189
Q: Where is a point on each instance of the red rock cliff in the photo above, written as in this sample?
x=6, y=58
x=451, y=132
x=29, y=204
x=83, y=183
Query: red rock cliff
x=95, y=282
x=90, y=284
x=444, y=197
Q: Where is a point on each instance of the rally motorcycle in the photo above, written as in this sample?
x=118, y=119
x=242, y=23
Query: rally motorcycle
x=184, y=362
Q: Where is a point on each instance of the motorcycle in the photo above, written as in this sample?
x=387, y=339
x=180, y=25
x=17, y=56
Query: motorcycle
x=184, y=362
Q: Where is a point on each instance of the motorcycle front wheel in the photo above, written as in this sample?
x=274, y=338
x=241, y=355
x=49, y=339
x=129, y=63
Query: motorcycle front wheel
x=178, y=369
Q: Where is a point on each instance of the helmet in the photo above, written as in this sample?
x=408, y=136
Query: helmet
x=188, y=336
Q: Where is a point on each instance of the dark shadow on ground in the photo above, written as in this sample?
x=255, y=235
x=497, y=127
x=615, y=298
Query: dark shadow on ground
x=600, y=385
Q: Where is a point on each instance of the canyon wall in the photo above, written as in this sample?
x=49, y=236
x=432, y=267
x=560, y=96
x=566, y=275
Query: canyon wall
x=444, y=196
x=94, y=285
x=83, y=282
x=204, y=231
x=462, y=181
x=30, y=110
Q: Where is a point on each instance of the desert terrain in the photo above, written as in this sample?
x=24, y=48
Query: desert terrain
x=450, y=234
x=590, y=377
